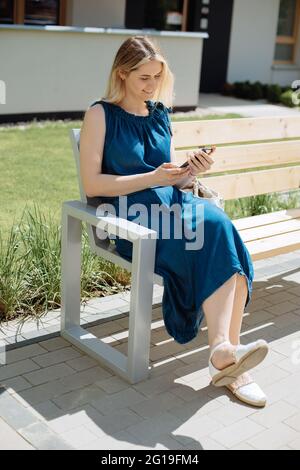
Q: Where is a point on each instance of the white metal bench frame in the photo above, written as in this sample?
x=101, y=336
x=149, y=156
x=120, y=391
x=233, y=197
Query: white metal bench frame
x=135, y=366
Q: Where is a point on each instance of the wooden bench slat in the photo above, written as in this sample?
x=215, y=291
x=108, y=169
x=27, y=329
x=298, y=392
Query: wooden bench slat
x=266, y=219
x=266, y=231
x=194, y=133
x=239, y=157
x=255, y=182
x=274, y=246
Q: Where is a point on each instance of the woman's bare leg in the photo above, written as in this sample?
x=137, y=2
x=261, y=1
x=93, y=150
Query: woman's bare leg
x=223, y=314
x=240, y=298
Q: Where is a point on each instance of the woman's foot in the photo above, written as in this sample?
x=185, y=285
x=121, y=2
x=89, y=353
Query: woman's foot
x=227, y=362
x=223, y=356
x=246, y=390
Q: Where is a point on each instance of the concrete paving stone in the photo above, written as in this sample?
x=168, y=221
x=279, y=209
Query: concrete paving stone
x=124, y=399
x=84, y=378
x=165, y=350
x=162, y=424
x=294, y=290
x=11, y=440
x=282, y=297
x=155, y=385
x=270, y=416
x=17, y=368
x=295, y=445
x=231, y=413
x=48, y=374
x=38, y=334
x=68, y=421
x=243, y=430
x=17, y=384
x=47, y=410
x=243, y=446
x=274, y=374
x=165, y=366
x=283, y=389
x=43, y=439
x=112, y=384
x=55, y=357
x=287, y=320
x=259, y=304
x=281, y=308
x=15, y=414
x=293, y=421
x=54, y=343
x=78, y=437
x=274, y=438
x=195, y=429
x=206, y=443
x=24, y=352
x=105, y=329
x=82, y=363
x=41, y=393
x=290, y=365
x=76, y=398
x=201, y=406
x=111, y=424
x=156, y=405
x=258, y=317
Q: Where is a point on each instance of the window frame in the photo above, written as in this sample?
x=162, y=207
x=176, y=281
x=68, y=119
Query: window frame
x=19, y=12
x=290, y=40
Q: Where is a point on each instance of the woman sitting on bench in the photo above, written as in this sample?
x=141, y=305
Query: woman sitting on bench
x=127, y=154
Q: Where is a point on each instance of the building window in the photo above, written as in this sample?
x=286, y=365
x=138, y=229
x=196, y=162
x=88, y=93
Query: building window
x=41, y=12
x=6, y=11
x=33, y=12
x=287, y=31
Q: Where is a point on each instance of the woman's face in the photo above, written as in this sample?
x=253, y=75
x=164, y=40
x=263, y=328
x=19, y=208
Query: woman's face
x=143, y=82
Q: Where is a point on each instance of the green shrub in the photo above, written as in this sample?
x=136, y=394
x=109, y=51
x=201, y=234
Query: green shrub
x=256, y=91
x=286, y=98
x=273, y=93
x=30, y=274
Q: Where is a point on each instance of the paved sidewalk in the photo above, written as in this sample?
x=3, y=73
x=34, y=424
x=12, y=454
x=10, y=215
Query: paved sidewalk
x=54, y=396
x=220, y=104
x=212, y=103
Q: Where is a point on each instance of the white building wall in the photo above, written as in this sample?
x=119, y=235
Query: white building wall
x=253, y=38
x=96, y=13
x=52, y=69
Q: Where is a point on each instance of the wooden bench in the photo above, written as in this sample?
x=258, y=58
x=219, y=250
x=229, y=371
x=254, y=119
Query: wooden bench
x=264, y=235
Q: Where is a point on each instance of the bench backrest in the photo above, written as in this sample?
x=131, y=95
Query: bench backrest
x=94, y=240
x=241, y=146
x=238, y=151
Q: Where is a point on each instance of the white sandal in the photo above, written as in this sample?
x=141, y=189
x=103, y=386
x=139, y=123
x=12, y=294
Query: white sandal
x=246, y=390
x=245, y=357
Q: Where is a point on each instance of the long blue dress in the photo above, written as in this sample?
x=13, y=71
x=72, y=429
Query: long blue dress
x=138, y=144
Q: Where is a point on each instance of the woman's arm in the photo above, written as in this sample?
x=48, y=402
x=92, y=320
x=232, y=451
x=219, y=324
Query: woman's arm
x=91, y=154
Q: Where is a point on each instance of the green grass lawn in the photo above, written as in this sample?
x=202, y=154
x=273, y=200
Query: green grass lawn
x=36, y=165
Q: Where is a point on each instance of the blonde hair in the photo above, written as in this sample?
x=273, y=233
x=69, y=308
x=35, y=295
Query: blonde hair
x=134, y=52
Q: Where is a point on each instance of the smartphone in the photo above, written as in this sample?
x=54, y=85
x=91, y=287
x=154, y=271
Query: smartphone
x=208, y=150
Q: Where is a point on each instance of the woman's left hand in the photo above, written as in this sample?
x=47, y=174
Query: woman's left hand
x=200, y=161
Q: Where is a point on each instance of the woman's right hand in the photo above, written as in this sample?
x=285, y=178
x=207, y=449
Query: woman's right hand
x=169, y=174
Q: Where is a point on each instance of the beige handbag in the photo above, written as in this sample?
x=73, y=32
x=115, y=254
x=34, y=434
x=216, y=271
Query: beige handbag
x=204, y=192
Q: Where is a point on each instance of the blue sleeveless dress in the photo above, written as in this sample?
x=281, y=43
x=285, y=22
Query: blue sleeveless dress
x=138, y=144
